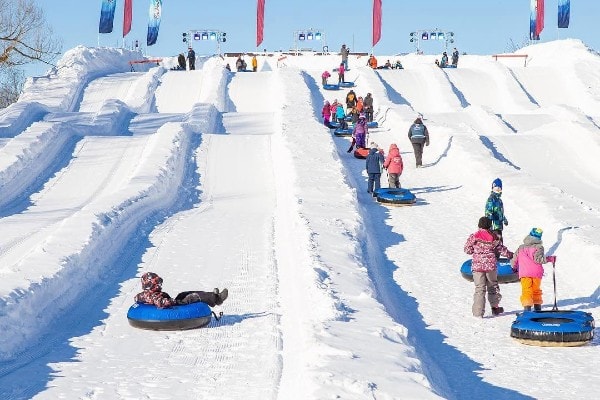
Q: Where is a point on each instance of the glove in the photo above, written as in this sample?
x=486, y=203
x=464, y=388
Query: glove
x=551, y=259
x=505, y=222
x=510, y=255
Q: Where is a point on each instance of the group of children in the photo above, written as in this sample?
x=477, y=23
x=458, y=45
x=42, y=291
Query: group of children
x=486, y=246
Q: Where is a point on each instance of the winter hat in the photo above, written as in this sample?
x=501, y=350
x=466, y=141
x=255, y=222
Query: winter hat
x=497, y=183
x=484, y=223
x=151, y=281
x=374, y=145
x=536, y=233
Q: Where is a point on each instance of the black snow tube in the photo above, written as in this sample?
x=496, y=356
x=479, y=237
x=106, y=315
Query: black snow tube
x=187, y=316
x=553, y=328
x=505, y=272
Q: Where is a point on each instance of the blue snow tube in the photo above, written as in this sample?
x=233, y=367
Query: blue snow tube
x=346, y=84
x=395, y=196
x=334, y=124
x=331, y=86
x=505, y=272
x=343, y=132
x=187, y=316
x=553, y=328
x=373, y=124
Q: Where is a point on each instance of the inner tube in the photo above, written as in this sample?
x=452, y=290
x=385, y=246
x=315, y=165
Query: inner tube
x=343, y=132
x=373, y=124
x=346, y=84
x=395, y=196
x=505, y=272
x=331, y=86
x=187, y=316
x=361, y=152
x=553, y=328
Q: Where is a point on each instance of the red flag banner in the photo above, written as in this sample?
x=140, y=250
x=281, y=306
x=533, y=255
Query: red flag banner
x=127, y=17
x=376, y=21
x=260, y=21
x=539, y=26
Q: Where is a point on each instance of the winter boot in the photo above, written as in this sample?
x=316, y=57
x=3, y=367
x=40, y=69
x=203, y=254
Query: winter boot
x=216, y=291
x=537, y=307
x=497, y=310
x=527, y=308
x=222, y=296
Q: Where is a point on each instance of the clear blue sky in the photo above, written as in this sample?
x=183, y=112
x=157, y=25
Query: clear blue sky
x=480, y=27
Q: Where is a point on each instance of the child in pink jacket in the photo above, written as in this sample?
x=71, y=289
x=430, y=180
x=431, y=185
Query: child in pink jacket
x=394, y=166
x=326, y=113
x=528, y=260
x=484, y=245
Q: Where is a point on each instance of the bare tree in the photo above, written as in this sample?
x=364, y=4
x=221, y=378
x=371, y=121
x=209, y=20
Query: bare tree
x=25, y=37
x=11, y=85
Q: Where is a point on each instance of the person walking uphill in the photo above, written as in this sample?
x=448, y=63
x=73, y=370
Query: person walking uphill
x=494, y=208
x=528, y=260
x=394, y=166
x=152, y=294
x=419, y=137
x=373, y=165
x=484, y=246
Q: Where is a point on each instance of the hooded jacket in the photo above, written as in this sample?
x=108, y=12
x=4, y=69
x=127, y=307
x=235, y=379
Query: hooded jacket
x=418, y=133
x=529, y=257
x=483, y=246
x=374, y=161
x=393, y=162
x=494, y=210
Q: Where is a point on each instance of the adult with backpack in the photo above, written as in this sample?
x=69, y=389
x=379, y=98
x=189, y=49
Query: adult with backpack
x=419, y=137
x=394, y=165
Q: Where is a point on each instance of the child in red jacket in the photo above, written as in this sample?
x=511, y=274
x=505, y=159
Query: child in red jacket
x=394, y=166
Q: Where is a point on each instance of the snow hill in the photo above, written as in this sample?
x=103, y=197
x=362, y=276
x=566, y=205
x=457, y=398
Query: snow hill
x=217, y=179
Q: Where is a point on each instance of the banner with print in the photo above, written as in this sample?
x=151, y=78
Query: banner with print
x=564, y=13
x=107, y=16
x=154, y=21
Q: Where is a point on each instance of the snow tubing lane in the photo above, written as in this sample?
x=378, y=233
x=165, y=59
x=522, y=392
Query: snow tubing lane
x=505, y=272
x=361, y=153
x=346, y=84
x=331, y=87
x=188, y=316
x=343, y=132
x=395, y=196
x=553, y=328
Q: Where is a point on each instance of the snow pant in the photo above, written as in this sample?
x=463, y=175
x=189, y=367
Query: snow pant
x=340, y=78
x=369, y=114
x=360, y=140
x=324, y=80
x=394, y=180
x=485, y=281
x=531, y=292
x=192, y=63
x=418, y=149
x=326, y=121
x=374, y=181
x=345, y=62
x=195, y=296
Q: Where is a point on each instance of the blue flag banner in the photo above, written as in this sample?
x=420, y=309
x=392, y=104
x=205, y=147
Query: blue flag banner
x=564, y=12
x=154, y=22
x=107, y=15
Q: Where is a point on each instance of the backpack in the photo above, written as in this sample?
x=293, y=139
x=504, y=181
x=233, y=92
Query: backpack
x=418, y=131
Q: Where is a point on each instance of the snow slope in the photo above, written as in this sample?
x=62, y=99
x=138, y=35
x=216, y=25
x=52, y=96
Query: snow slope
x=217, y=179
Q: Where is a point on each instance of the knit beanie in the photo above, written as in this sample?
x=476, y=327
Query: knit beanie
x=536, y=233
x=497, y=183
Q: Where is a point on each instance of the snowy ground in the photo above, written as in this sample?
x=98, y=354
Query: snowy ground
x=217, y=179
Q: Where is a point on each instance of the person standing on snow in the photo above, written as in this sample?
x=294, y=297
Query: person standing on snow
x=341, y=72
x=324, y=76
x=419, y=137
x=394, y=166
x=484, y=246
x=528, y=260
x=373, y=164
x=191, y=58
x=455, y=57
x=494, y=208
x=326, y=113
x=368, y=106
x=254, y=64
x=344, y=51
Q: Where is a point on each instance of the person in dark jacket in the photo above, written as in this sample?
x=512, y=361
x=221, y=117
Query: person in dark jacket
x=368, y=107
x=191, y=58
x=494, y=208
x=373, y=164
x=152, y=294
x=419, y=137
x=455, y=57
x=181, y=61
x=485, y=246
